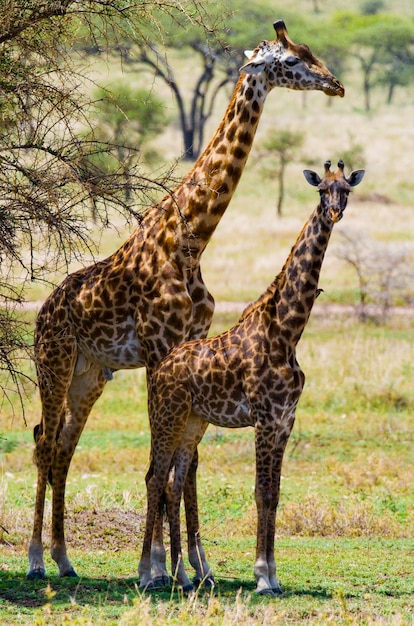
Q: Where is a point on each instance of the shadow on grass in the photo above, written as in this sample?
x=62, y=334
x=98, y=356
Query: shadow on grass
x=60, y=592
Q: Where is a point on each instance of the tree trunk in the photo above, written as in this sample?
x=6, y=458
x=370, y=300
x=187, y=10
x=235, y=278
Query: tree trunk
x=281, y=179
x=188, y=136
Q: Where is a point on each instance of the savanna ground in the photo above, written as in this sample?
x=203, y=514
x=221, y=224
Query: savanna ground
x=345, y=548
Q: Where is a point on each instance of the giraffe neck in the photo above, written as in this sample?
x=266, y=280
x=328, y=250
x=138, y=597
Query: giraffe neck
x=196, y=205
x=295, y=289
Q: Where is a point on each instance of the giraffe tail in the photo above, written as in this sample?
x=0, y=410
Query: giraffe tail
x=162, y=507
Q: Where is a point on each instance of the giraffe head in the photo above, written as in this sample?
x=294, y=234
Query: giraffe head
x=334, y=188
x=291, y=65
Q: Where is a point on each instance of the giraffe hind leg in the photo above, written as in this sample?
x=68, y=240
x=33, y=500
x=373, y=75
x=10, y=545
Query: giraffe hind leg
x=182, y=482
x=43, y=457
x=84, y=390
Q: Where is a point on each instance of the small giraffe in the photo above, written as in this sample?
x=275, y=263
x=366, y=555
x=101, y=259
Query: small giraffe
x=128, y=310
x=247, y=376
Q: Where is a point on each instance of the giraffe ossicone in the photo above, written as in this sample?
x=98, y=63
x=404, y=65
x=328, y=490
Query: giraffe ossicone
x=128, y=310
x=247, y=376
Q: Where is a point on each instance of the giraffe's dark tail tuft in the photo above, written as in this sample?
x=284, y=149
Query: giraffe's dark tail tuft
x=37, y=431
x=162, y=507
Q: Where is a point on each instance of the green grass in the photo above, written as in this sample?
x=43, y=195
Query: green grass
x=344, y=544
x=338, y=581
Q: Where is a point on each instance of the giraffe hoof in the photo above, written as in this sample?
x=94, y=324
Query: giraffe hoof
x=157, y=584
x=160, y=582
x=188, y=588
x=267, y=592
x=70, y=573
x=38, y=573
x=207, y=582
x=277, y=591
x=147, y=587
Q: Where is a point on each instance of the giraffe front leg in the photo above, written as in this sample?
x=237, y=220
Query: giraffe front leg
x=264, y=571
x=280, y=447
x=271, y=522
x=270, y=540
x=268, y=501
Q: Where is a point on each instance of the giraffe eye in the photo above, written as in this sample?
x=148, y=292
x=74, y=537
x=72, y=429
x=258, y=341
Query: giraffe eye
x=291, y=61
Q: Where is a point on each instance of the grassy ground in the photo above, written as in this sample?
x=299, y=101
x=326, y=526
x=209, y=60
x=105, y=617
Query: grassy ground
x=344, y=547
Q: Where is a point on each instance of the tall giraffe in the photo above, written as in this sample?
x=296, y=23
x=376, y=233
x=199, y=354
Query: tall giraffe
x=128, y=310
x=247, y=376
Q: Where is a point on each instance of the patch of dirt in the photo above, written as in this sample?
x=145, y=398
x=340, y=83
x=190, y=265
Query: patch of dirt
x=102, y=530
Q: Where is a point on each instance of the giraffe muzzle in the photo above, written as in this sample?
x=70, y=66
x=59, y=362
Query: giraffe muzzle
x=335, y=214
x=334, y=88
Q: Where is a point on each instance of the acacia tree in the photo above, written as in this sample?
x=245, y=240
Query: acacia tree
x=282, y=145
x=383, y=45
x=49, y=172
x=213, y=61
x=124, y=117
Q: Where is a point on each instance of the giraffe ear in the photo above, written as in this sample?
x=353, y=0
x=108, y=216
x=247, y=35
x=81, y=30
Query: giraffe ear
x=253, y=67
x=248, y=53
x=312, y=177
x=355, y=177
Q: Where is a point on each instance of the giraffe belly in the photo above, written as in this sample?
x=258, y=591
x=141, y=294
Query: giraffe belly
x=115, y=349
x=227, y=413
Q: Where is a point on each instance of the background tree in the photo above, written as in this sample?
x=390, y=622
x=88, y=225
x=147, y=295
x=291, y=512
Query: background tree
x=50, y=173
x=382, y=44
x=354, y=155
x=128, y=116
x=125, y=117
x=398, y=63
x=282, y=147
